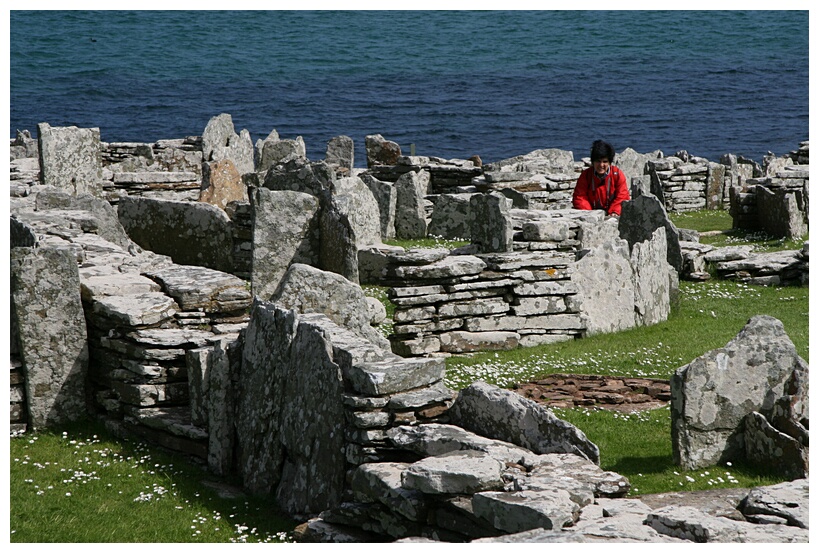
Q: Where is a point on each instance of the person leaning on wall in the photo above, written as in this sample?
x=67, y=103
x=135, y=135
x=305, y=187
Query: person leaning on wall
x=603, y=185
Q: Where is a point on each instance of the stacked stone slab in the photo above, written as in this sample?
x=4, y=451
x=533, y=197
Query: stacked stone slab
x=570, y=274
x=742, y=264
x=141, y=314
x=329, y=422
x=446, y=176
x=776, y=203
x=165, y=169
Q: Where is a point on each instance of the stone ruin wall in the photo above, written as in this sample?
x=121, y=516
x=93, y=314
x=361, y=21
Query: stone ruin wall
x=191, y=368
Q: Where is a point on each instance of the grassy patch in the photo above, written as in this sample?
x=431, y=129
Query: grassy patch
x=82, y=486
x=703, y=220
x=638, y=446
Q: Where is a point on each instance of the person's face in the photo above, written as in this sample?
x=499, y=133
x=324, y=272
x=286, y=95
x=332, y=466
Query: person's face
x=601, y=166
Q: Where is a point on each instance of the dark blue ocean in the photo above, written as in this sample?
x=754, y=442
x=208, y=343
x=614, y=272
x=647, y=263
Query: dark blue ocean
x=492, y=83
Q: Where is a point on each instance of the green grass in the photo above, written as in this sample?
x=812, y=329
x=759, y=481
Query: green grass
x=638, y=446
x=717, y=220
x=703, y=220
x=708, y=316
x=83, y=486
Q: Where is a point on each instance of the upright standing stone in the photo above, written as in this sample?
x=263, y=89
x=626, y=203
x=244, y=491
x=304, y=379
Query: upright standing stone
x=641, y=217
x=381, y=151
x=48, y=314
x=222, y=184
x=712, y=395
x=340, y=152
x=491, y=222
x=410, y=211
x=220, y=141
x=70, y=158
x=356, y=200
x=452, y=217
x=191, y=233
x=285, y=231
x=279, y=151
x=715, y=186
x=338, y=249
x=386, y=195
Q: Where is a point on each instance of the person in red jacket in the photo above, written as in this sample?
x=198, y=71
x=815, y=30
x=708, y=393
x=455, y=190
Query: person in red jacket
x=603, y=185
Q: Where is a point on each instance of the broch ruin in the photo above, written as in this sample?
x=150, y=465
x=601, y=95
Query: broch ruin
x=205, y=294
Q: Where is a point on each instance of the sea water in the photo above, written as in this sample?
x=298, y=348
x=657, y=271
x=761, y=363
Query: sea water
x=445, y=83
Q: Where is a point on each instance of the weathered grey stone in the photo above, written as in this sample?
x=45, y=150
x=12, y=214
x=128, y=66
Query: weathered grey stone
x=634, y=164
x=461, y=342
x=91, y=214
x=539, y=305
x=641, y=217
x=451, y=266
x=338, y=247
x=434, y=439
x=436, y=393
x=410, y=210
x=461, y=472
x=340, y=152
x=381, y=482
x=355, y=200
x=280, y=151
x=565, y=466
x=50, y=329
x=788, y=501
x=199, y=288
x=381, y=151
x=114, y=283
x=491, y=222
x=526, y=510
x=285, y=231
x=767, y=446
x=712, y=395
x=317, y=530
x=546, y=231
x=191, y=233
x=781, y=212
x=310, y=290
x=376, y=311
x=605, y=281
x=220, y=141
x=70, y=159
x=451, y=217
x=290, y=421
x=222, y=184
x=387, y=196
x=690, y=524
x=505, y=415
x=547, y=160
x=486, y=306
x=142, y=309
x=652, y=279
x=299, y=175
x=393, y=374
x=728, y=253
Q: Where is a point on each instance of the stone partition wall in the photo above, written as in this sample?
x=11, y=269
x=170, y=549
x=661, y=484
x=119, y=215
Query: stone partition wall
x=777, y=204
x=571, y=273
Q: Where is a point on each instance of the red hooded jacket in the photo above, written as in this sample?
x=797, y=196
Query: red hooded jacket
x=592, y=193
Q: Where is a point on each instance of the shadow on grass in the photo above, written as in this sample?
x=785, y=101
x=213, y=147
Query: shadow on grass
x=655, y=464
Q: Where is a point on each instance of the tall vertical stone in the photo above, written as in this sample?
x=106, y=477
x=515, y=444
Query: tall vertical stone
x=285, y=231
x=715, y=186
x=48, y=314
x=340, y=152
x=220, y=141
x=491, y=222
x=70, y=158
x=386, y=196
x=410, y=211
